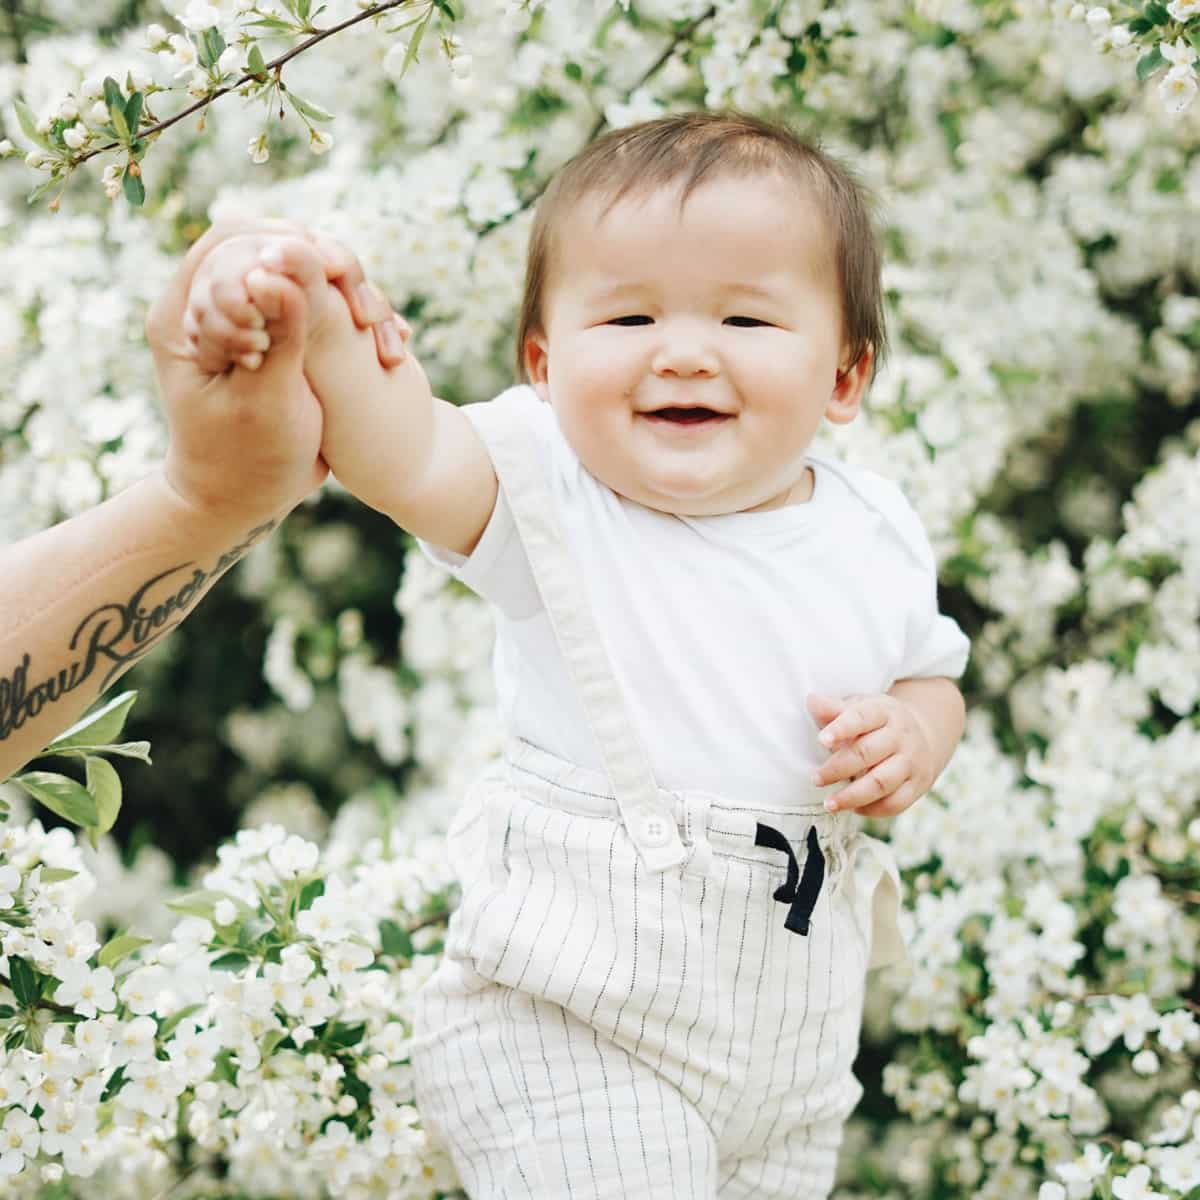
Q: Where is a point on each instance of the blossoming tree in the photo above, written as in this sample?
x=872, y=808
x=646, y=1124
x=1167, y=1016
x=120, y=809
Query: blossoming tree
x=1039, y=169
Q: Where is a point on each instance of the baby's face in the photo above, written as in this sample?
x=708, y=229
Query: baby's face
x=732, y=307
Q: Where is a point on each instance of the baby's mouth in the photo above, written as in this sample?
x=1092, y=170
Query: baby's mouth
x=687, y=416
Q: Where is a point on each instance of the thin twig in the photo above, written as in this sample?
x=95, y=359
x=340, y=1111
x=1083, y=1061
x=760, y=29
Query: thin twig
x=175, y=1183
x=683, y=34
x=274, y=65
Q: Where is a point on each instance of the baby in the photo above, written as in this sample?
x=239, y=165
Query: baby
x=691, y=610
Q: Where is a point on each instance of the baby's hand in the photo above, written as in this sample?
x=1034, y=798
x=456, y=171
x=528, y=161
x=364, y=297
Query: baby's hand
x=232, y=297
x=881, y=745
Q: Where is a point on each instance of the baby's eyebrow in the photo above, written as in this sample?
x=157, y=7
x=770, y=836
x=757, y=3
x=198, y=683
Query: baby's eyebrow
x=740, y=287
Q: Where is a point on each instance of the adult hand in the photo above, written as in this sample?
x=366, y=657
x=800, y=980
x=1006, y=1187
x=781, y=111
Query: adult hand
x=245, y=446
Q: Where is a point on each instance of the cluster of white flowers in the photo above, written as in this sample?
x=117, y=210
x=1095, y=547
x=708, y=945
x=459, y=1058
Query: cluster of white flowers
x=259, y=1017
x=1037, y=278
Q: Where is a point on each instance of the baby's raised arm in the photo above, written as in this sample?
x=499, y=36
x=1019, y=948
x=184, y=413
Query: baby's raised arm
x=386, y=437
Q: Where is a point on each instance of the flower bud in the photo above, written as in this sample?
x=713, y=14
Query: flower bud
x=68, y=110
x=1098, y=19
x=99, y=112
x=7, y=149
x=75, y=137
x=35, y=158
x=91, y=88
x=156, y=36
x=318, y=143
x=142, y=80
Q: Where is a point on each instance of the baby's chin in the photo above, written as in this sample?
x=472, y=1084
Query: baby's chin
x=713, y=505
x=680, y=506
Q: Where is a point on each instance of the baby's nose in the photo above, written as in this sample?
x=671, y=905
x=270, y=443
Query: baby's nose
x=684, y=352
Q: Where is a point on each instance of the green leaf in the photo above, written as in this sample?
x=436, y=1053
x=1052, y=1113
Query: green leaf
x=105, y=785
x=133, y=111
x=42, y=188
x=1193, y=36
x=273, y=23
x=204, y=904
x=233, y=961
x=212, y=44
x=25, y=984
x=97, y=728
x=573, y=70
x=168, y=1026
x=1140, y=25
x=272, y=1040
x=112, y=94
x=1149, y=63
x=302, y=8
x=309, y=893
x=255, y=63
x=116, y=115
x=342, y=1035
x=306, y=109
x=118, y=947
x=135, y=189
x=1156, y=13
x=139, y=750
x=395, y=941
x=224, y=1069
x=414, y=45
x=60, y=795
x=196, y=904
x=57, y=874
x=28, y=123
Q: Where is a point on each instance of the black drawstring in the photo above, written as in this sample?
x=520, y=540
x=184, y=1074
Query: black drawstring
x=803, y=898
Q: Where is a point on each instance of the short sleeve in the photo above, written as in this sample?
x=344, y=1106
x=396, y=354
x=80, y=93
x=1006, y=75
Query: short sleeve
x=497, y=569
x=934, y=644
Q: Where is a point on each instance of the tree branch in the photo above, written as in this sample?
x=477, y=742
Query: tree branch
x=274, y=65
x=683, y=34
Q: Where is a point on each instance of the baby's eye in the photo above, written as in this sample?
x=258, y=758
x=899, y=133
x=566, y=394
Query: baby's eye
x=751, y=321
x=623, y=320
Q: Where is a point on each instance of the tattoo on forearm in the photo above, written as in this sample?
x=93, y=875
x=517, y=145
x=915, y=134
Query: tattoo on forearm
x=115, y=634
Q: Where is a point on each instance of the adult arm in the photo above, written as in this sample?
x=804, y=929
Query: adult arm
x=82, y=601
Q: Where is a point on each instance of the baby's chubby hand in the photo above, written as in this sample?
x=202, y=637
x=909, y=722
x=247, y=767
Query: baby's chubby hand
x=235, y=296
x=880, y=743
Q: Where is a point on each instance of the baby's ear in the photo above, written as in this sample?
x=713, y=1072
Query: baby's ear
x=849, y=389
x=537, y=364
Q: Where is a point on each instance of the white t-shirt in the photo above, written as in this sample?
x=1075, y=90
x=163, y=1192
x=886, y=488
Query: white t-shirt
x=718, y=627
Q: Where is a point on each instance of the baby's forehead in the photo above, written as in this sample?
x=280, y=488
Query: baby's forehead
x=740, y=224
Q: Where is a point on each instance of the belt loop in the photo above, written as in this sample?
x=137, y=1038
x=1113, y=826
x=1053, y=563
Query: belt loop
x=696, y=814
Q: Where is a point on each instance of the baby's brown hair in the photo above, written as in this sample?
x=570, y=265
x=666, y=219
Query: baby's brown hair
x=689, y=146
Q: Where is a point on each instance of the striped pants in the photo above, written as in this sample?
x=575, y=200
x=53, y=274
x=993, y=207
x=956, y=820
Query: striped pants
x=596, y=1030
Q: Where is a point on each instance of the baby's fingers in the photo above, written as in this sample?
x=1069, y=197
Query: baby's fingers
x=857, y=758
x=222, y=324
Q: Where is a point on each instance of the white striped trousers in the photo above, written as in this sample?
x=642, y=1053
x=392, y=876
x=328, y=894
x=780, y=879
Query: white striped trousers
x=598, y=1030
